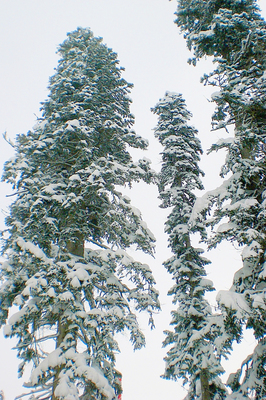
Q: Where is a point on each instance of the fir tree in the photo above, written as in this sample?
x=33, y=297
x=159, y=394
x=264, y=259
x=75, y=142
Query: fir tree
x=235, y=34
x=66, y=268
x=198, y=334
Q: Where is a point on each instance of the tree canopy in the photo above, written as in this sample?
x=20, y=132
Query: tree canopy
x=66, y=265
x=199, y=338
x=68, y=283
x=234, y=34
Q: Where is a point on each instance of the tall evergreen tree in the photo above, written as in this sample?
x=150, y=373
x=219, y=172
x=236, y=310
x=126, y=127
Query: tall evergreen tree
x=234, y=33
x=199, y=339
x=66, y=268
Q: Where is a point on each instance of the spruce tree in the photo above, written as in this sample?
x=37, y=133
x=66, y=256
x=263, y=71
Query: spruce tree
x=199, y=339
x=66, y=269
x=234, y=33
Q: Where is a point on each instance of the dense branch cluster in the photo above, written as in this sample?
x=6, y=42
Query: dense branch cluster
x=234, y=34
x=199, y=339
x=67, y=275
x=66, y=263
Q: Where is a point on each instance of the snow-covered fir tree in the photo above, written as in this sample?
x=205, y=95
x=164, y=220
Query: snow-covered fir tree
x=67, y=270
x=199, y=338
x=234, y=33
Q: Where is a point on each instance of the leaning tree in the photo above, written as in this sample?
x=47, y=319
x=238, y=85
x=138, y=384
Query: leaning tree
x=66, y=268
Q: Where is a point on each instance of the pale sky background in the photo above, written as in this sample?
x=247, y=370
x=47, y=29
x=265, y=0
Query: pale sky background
x=154, y=55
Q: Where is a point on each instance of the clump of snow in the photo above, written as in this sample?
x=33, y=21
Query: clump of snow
x=66, y=296
x=7, y=330
x=75, y=177
x=251, y=250
x=234, y=301
x=51, y=292
x=226, y=227
x=241, y=204
x=17, y=316
x=259, y=300
x=75, y=282
x=33, y=249
x=53, y=360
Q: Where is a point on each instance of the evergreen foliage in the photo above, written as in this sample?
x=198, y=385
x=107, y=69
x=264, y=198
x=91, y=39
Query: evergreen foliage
x=199, y=339
x=66, y=268
x=234, y=34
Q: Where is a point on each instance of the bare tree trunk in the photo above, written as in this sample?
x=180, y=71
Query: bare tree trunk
x=204, y=381
x=76, y=248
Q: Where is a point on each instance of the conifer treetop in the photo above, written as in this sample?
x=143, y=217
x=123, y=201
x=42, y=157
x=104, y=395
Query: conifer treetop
x=195, y=351
x=234, y=34
x=66, y=267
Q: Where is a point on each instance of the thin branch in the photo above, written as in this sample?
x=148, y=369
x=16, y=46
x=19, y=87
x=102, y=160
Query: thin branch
x=100, y=245
x=8, y=140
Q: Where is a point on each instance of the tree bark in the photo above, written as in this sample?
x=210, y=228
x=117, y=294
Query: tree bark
x=76, y=248
x=204, y=381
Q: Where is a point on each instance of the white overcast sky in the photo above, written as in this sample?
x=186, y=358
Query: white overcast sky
x=154, y=55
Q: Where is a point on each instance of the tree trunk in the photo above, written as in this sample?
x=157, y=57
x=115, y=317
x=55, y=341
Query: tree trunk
x=204, y=381
x=61, y=333
x=77, y=249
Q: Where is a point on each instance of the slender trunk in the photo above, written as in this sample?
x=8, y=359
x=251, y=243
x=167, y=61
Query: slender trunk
x=77, y=249
x=61, y=333
x=204, y=381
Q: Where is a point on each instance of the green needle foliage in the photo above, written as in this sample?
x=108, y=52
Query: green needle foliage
x=199, y=338
x=234, y=34
x=66, y=268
